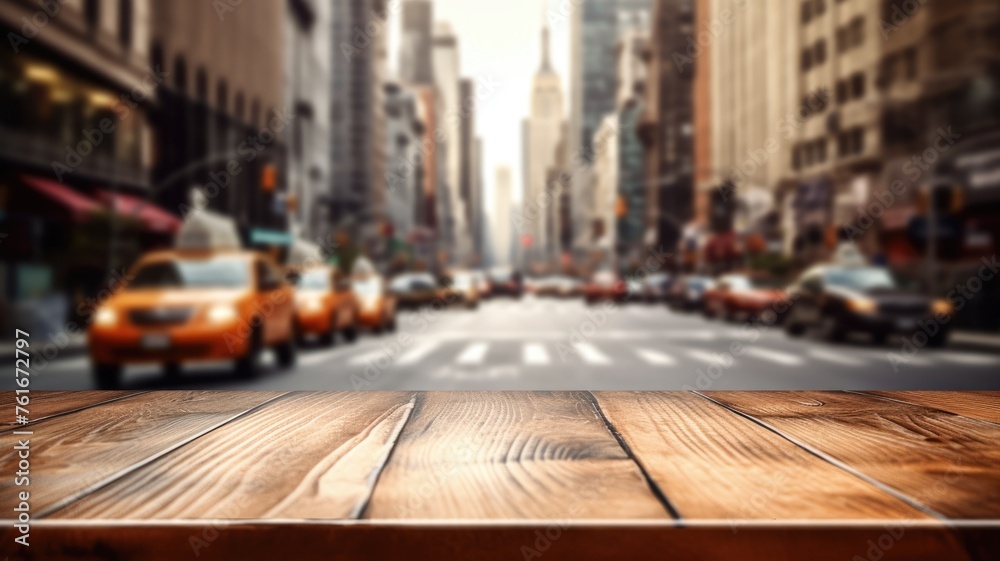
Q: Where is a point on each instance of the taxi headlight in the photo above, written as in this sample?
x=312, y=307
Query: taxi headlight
x=222, y=313
x=312, y=304
x=105, y=317
x=942, y=307
x=862, y=305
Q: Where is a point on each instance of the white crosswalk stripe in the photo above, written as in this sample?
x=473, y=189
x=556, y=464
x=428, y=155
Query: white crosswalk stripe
x=417, y=353
x=705, y=356
x=473, y=354
x=774, y=356
x=534, y=353
x=590, y=354
x=835, y=357
x=656, y=357
x=370, y=356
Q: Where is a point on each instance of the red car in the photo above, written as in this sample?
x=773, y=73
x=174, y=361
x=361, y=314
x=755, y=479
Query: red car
x=605, y=285
x=740, y=296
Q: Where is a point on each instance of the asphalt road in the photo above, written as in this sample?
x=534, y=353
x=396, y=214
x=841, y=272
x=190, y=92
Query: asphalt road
x=543, y=344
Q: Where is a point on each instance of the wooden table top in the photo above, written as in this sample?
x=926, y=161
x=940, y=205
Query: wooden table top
x=510, y=475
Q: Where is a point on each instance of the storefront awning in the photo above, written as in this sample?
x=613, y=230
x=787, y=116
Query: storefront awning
x=153, y=217
x=78, y=204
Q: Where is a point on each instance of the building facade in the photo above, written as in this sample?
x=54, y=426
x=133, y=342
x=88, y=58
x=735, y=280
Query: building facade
x=544, y=129
x=357, y=122
x=666, y=124
x=405, y=162
x=307, y=93
x=453, y=226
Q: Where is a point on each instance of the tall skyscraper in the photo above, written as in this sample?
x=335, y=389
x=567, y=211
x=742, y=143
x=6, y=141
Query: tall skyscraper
x=416, y=65
x=357, y=128
x=543, y=135
x=452, y=221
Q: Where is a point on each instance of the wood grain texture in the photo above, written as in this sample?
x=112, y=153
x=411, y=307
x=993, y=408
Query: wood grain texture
x=545, y=541
x=510, y=455
x=975, y=405
x=71, y=454
x=307, y=455
x=712, y=463
x=45, y=404
x=945, y=462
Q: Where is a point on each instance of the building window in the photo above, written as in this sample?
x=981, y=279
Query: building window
x=841, y=92
x=856, y=35
x=820, y=56
x=92, y=13
x=820, y=7
x=806, y=59
x=125, y=23
x=851, y=142
x=156, y=57
x=806, y=11
x=858, y=86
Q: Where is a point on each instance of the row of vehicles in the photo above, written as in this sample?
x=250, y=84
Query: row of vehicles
x=833, y=300
x=201, y=305
x=188, y=305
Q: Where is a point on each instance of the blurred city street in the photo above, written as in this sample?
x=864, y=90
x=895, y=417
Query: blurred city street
x=540, y=344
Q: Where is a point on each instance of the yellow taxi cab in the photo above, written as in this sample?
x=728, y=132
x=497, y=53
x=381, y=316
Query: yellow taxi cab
x=325, y=304
x=377, y=305
x=195, y=305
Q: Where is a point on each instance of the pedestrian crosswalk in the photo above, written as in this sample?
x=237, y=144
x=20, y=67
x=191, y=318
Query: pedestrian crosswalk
x=620, y=351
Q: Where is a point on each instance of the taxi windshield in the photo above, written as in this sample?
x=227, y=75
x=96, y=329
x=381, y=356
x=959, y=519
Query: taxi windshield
x=223, y=272
x=318, y=279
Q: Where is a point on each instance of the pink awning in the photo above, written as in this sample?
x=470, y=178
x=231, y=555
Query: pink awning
x=79, y=205
x=155, y=218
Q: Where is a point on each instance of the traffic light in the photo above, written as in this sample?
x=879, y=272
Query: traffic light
x=526, y=240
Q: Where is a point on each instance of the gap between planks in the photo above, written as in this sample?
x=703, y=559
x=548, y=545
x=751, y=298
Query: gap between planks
x=913, y=502
x=650, y=482
x=360, y=511
x=70, y=411
x=73, y=497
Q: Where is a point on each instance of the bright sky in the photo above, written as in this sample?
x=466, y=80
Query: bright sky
x=502, y=41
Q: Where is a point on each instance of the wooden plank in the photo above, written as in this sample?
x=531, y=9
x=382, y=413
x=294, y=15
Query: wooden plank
x=308, y=455
x=45, y=404
x=945, y=462
x=510, y=455
x=73, y=454
x=980, y=405
x=557, y=540
x=712, y=463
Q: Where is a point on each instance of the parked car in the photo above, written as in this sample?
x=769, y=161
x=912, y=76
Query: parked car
x=506, y=282
x=325, y=304
x=839, y=300
x=415, y=290
x=742, y=296
x=687, y=292
x=376, y=303
x=605, y=285
x=195, y=305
